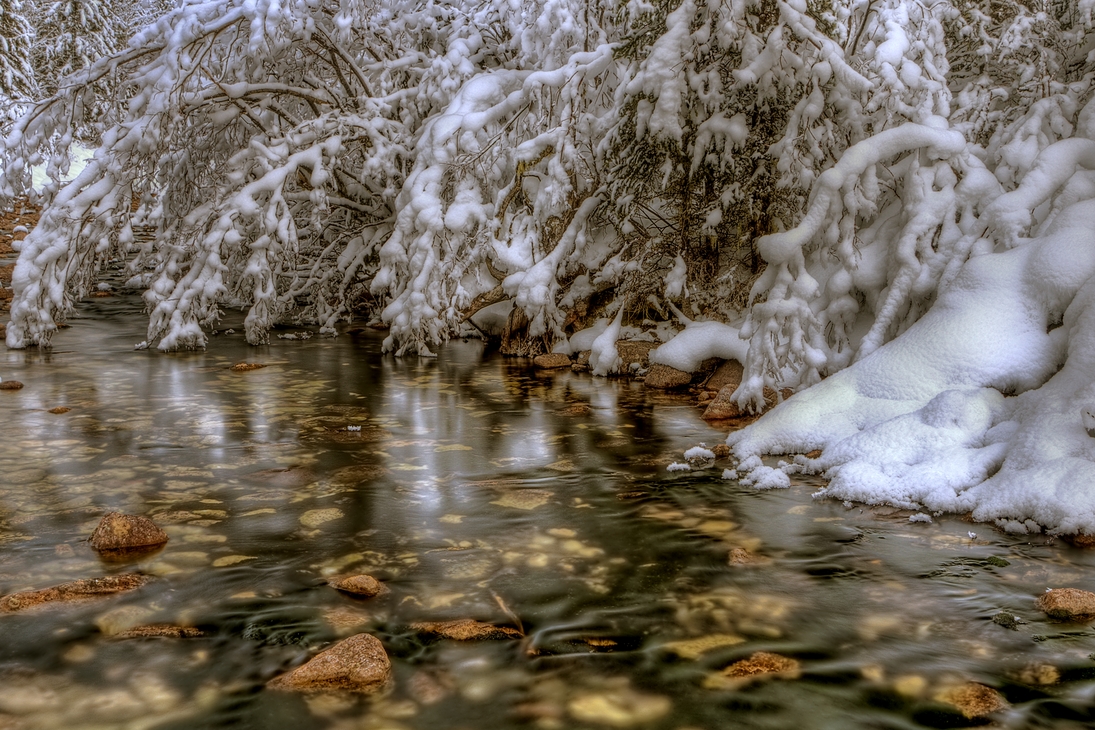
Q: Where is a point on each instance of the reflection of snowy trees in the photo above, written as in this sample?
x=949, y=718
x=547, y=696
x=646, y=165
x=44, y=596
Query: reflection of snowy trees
x=817, y=170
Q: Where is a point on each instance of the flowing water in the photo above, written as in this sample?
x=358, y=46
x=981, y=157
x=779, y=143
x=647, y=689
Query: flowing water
x=475, y=487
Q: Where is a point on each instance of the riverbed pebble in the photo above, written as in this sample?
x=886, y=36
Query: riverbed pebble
x=619, y=708
x=466, y=630
x=10, y=385
x=364, y=586
x=972, y=699
x=758, y=665
x=356, y=664
x=1068, y=603
x=246, y=367
x=117, y=531
x=73, y=591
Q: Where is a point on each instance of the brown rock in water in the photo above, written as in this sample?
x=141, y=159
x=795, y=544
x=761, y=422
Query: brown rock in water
x=10, y=385
x=1080, y=540
x=1068, y=604
x=117, y=531
x=722, y=451
x=246, y=367
x=363, y=585
x=551, y=361
x=357, y=664
x=76, y=590
x=728, y=373
x=722, y=407
x=973, y=700
x=741, y=556
x=59, y=410
x=763, y=662
x=664, y=377
x=467, y=630
x=160, y=631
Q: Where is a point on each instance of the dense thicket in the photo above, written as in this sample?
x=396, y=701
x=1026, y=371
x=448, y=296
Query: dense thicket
x=811, y=171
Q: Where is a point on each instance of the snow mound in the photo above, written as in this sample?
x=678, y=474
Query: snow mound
x=699, y=341
x=977, y=406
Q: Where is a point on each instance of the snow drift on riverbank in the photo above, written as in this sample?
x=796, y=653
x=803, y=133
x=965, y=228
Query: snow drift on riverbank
x=928, y=421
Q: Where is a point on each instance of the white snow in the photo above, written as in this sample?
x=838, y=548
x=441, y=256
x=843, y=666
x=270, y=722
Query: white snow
x=699, y=341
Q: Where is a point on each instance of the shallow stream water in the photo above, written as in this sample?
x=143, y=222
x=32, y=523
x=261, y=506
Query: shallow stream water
x=475, y=488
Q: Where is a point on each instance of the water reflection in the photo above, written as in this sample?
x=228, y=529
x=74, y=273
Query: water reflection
x=475, y=488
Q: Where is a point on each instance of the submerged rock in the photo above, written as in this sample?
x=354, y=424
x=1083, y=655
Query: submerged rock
x=160, y=631
x=619, y=708
x=246, y=367
x=357, y=664
x=59, y=410
x=73, y=591
x=759, y=665
x=117, y=531
x=551, y=361
x=466, y=630
x=972, y=699
x=362, y=585
x=10, y=385
x=1068, y=604
x=664, y=377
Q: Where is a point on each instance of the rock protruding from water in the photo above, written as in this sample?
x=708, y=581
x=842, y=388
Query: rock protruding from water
x=973, y=700
x=10, y=385
x=357, y=664
x=246, y=367
x=723, y=407
x=362, y=586
x=117, y=532
x=76, y=590
x=1068, y=604
x=663, y=377
x=552, y=361
x=729, y=373
x=466, y=630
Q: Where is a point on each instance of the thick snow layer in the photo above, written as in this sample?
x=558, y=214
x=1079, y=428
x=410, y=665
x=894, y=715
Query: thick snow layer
x=491, y=320
x=699, y=341
x=925, y=421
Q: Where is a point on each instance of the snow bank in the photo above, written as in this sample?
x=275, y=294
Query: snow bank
x=925, y=421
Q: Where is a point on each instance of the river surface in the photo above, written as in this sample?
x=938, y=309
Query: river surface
x=475, y=487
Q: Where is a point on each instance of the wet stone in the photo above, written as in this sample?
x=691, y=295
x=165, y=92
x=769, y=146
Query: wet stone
x=1068, y=604
x=466, y=630
x=358, y=664
x=10, y=385
x=117, y=531
x=727, y=374
x=973, y=700
x=160, y=631
x=619, y=708
x=759, y=665
x=246, y=367
x=664, y=377
x=551, y=361
x=1008, y=620
x=73, y=591
x=363, y=586
x=59, y=410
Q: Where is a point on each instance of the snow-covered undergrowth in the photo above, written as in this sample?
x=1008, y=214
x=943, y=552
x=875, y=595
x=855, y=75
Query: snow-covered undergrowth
x=977, y=406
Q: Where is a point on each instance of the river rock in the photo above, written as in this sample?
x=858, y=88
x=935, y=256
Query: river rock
x=364, y=586
x=973, y=700
x=357, y=664
x=160, y=631
x=10, y=385
x=246, y=367
x=664, y=377
x=619, y=707
x=1068, y=603
x=73, y=591
x=466, y=630
x=758, y=665
x=722, y=407
x=552, y=361
x=632, y=352
x=117, y=531
x=1080, y=540
x=728, y=373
